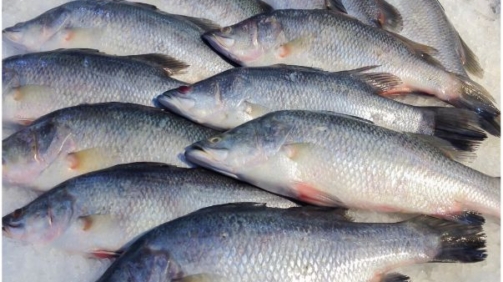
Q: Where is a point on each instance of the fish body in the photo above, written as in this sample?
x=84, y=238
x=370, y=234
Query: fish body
x=222, y=12
x=378, y=13
x=100, y=212
x=297, y=4
x=336, y=42
x=84, y=138
x=120, y=28
x=250, y=242
x=335, y=160
x=36, y=84
x=236, y=96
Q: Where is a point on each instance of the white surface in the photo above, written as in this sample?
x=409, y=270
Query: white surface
x=478, y=22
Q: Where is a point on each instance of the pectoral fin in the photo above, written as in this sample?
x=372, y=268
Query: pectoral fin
x=91, y=159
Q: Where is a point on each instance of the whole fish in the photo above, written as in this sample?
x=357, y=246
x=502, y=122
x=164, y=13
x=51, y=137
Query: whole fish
x=238, y=95
x=251, y=242
x=101, y=211
x=425, y=22
x=121, y=28
x=72, y=141
x=223, y=12
x=336, y=160
x=36, y=84
x=335, y=42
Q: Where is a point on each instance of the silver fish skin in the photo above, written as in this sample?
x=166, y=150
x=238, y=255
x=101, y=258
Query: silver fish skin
x=236, y=96
x=298, y=4
x=76, y=140
x=36, y=84
x=120, y=28
x=222, y=12
x=293, y=37
x=336, y=160
x=250, y=242
x=425, y=22
x=99, y=212
x=378, y=13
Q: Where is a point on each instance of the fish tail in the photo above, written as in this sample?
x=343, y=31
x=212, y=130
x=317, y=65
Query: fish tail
x=459, y=242
x=457, y=125
x=474, y=97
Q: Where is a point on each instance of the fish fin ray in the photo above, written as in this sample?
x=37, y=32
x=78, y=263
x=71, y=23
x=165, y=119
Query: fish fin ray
x=336, y=5
x=395, y=277
x=169, y=64
x=91, y=159
x=381, y=82
x=455, y=123
x=256, y=110
x=469, y=59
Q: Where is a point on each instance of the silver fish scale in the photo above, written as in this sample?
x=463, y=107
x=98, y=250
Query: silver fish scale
x=328, y=42
x=71, y=77
x=223, y=12
x=122, y=28
x=348, y=158
x=297, y=4
x=282, y=88
x=425, y=22
x=141, y=196
x=273, y=246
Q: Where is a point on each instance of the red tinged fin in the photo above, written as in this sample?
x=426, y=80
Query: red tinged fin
x=309, y=194
x=104, y=254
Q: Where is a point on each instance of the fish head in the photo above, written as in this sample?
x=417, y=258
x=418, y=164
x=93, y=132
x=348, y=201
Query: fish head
x=246, y=146
x=33, y=34
x=251, y=42
x=215, y=102
x=41, y=221
x=26, y=153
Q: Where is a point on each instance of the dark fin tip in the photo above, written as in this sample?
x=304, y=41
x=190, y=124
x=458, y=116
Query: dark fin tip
x=169, y=64
x=454, y=123
x=396, y=277
x=459, y=242
x=265, y=7
x=336, y=5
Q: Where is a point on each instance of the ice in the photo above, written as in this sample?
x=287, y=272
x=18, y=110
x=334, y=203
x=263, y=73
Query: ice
x=478, y=22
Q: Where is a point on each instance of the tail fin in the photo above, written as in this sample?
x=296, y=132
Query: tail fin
x=474, y=97
x=458, y=242
x=455, y=124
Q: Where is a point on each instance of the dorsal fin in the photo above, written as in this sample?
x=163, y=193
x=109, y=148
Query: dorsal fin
x=87, y=50
x=469, y=59
x=297, y=68
x=169, y=64
x=335, y=5
x=461, y=150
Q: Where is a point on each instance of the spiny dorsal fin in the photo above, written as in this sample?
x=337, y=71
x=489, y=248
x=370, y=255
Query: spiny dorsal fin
x=458, y=150
x=336, y=5
x=265, y=7
x=169, y=64
x=84, y=50
x=469, y=59
x=389, y=17
x=296, y=68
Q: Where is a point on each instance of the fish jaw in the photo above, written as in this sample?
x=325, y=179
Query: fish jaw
x=198, y=155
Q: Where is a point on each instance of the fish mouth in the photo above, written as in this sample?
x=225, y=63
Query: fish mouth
x=175, y=104
x=198, y=155
x=220, y=44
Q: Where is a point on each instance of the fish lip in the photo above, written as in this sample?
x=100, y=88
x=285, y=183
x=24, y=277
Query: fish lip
x=211, y=37
x=167, y=101
x=197, y=155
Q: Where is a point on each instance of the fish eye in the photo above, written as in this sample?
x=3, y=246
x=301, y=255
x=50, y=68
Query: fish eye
x=184, y=89
x=17, y=213
x=215, y=139
x=226, y=30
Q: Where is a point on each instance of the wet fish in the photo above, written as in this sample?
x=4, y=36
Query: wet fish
x=120, y=28
x=223, y=12
x=336, y=160
x=293, y=37
x=236, y=96
x=425, y=22
x=76, y=140
x=99, y=212
x=301, y=4
x=36, y=84
x=250, y=242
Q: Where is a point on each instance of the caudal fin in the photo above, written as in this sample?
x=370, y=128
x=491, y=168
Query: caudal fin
x=458, y=242
x=474, y=97
x=455, y=124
